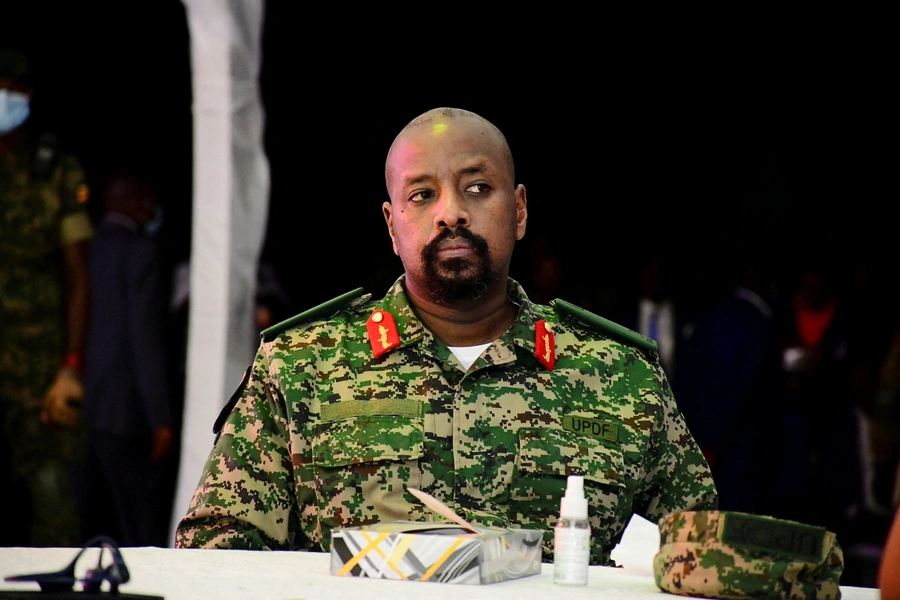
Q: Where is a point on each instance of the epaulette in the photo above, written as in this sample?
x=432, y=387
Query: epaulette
x=326, y=308
x=606, y=325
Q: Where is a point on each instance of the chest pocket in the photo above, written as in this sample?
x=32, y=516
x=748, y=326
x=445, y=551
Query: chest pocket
x=31, y=225
x=363, y=465
x=546, y=457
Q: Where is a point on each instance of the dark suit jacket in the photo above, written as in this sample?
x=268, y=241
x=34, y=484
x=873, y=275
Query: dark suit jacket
x=728, y=391
x=126, y=390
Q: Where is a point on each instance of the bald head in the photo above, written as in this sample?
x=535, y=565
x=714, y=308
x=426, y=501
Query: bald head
x=436, y=122
x=455, y=211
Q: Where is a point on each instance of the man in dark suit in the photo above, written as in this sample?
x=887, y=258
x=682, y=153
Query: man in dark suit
x=127, y=407
x=729, y=382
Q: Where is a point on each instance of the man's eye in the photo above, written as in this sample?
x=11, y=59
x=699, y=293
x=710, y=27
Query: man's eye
x=421, y=196
x=478, y=188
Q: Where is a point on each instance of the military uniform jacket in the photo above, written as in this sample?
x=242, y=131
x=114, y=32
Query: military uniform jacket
x=337, y=417
x=42, y=209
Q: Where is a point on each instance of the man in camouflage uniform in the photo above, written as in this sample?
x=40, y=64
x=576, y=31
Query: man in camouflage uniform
x=44, y=232
x=453, y=383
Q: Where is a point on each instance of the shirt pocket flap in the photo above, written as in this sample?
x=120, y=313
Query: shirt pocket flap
x=544, y=451
x=367, y=439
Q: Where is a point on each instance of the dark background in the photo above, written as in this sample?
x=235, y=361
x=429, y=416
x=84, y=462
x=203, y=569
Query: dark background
x=779, y=144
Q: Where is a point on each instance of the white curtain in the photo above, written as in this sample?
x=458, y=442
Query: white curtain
x=230, y=205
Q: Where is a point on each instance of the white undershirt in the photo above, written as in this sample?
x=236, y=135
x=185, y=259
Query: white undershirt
x=466, y=355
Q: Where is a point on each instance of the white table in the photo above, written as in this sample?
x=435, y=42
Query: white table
x=237, y=574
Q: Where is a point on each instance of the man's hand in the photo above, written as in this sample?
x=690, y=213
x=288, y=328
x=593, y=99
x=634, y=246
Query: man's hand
x=162, y=443
x=63, y=401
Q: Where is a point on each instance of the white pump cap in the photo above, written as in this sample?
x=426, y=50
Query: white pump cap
x=574, y=505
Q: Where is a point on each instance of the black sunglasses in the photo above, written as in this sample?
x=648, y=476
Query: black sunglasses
x=114, y=572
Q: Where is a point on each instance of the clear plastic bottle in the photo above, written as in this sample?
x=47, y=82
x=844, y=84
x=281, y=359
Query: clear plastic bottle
x=572, y=536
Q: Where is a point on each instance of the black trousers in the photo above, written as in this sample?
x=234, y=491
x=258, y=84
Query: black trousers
x=123, y=495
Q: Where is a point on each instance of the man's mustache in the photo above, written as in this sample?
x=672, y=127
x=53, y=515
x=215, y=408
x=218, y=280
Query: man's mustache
x=479, y=244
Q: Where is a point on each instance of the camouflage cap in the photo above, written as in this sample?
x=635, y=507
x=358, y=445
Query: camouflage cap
x=13, y=65
x=720, y=554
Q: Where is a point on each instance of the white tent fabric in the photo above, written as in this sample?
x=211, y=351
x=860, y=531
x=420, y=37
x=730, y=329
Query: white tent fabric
x=230, y=207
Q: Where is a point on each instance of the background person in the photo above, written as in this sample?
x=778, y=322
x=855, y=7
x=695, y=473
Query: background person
x=889, y=569
x=45, y=231
x=128, y=407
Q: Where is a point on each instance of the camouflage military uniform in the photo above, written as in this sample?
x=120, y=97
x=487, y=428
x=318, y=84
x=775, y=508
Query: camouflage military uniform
x=38, y=216
x=337, y=416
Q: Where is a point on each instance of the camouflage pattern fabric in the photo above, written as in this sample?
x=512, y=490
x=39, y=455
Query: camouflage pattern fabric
x=325, y=435
x=37, y=217
x=737, y=555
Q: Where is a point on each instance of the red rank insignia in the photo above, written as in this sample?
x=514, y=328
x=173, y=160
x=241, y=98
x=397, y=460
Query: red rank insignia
x=382, y=332
x=544, y=345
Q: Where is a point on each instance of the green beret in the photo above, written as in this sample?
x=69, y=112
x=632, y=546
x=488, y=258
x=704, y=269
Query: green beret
x=720, y=554
x=13, y=65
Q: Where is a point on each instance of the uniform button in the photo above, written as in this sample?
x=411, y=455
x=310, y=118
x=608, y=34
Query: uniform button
x=377, y=317
x=461, y=512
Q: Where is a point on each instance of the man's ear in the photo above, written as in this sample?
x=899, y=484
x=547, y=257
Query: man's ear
x=521, y=211
x=387, y=210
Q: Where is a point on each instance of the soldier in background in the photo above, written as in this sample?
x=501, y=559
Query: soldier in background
x=44, y=235
x=454, y=383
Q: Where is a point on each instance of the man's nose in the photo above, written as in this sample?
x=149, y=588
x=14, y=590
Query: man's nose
x=451, y=210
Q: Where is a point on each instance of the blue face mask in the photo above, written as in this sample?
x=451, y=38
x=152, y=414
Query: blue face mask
x=155, y=224
x=14, y=110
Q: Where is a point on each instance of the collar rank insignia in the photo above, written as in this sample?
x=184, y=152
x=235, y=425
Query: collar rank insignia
x=544, y=344
x=382, y=332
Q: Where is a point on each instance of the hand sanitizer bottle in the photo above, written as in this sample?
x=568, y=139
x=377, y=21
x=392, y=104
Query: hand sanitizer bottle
x=572, y=536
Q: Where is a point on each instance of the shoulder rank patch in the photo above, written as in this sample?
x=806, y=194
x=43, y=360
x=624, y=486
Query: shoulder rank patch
x=82, y=194
x=382, y=332
x=606, y=325
x=326, y=308
x=544, y=344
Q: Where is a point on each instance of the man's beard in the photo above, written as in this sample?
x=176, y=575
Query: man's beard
x=446, y=280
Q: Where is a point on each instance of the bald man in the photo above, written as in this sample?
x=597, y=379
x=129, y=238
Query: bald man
x=453, y=383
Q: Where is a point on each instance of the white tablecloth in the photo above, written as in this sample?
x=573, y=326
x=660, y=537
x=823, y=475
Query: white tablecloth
x=235, y=574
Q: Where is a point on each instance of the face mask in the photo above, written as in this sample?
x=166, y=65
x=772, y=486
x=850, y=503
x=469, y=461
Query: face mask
x=155, y=224
x=14, y=110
